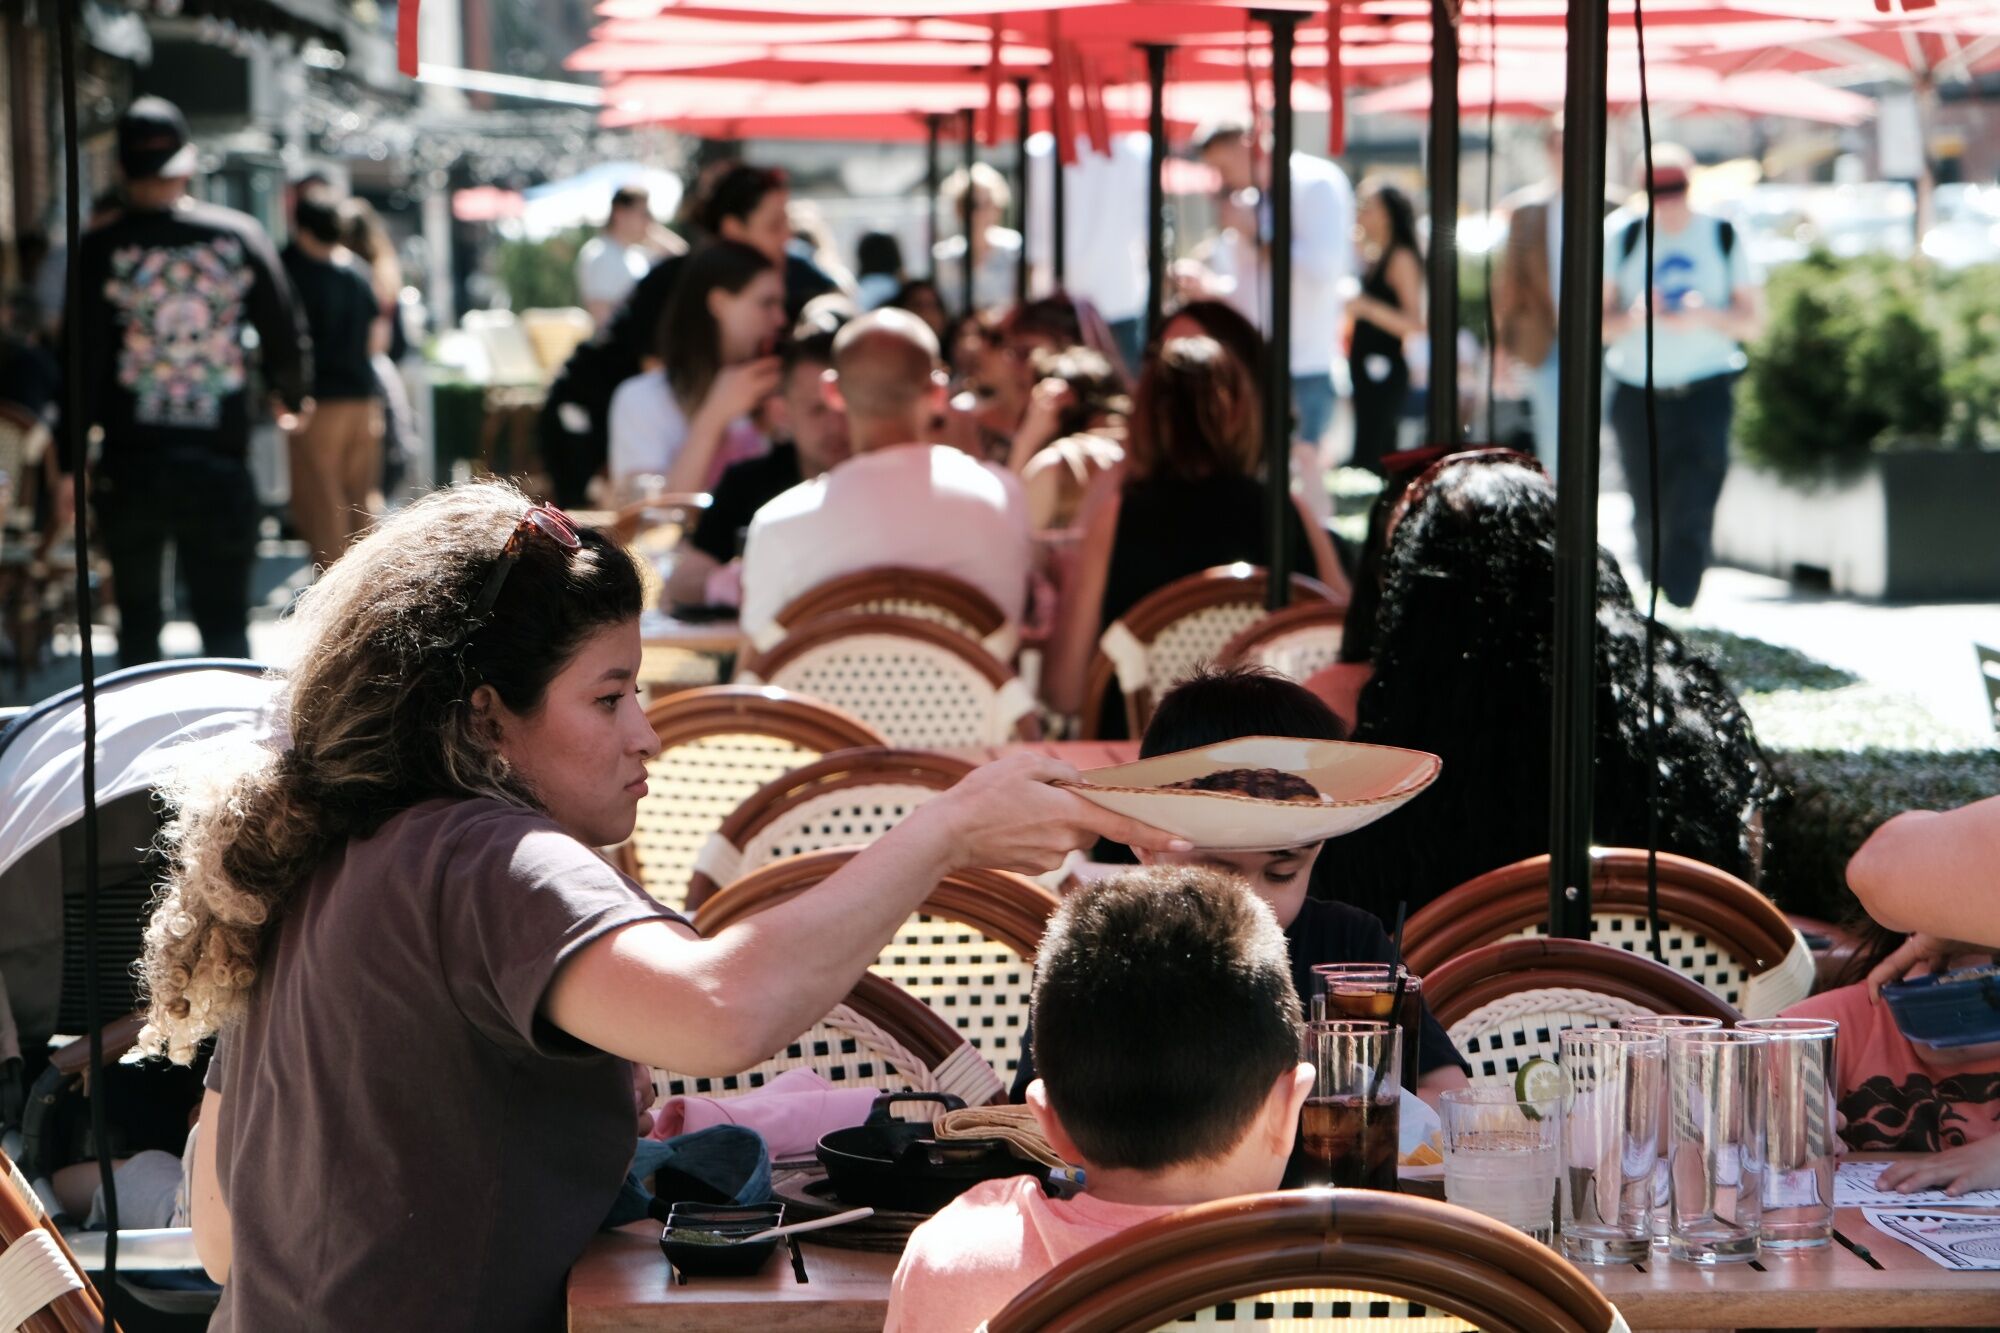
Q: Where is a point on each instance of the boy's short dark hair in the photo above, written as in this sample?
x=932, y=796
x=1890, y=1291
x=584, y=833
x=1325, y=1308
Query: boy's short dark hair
x=815, y=349
x=1221, y=703
x=1163, y=1013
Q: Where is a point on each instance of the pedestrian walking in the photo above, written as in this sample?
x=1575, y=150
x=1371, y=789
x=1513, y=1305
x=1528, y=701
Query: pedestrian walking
x=171, y=289
x=1707, y=302
x=336, y=456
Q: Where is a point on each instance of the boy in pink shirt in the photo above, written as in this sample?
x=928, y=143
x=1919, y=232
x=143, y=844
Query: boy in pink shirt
x=1167, y=1035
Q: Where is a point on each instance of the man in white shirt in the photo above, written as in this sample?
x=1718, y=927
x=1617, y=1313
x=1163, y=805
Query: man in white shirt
x=1322, y=260
x=1104, y=232
x=897, y=500
x=611, y=263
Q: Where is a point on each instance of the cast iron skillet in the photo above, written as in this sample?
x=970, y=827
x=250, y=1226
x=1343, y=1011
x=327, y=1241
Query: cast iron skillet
x=895, y=1164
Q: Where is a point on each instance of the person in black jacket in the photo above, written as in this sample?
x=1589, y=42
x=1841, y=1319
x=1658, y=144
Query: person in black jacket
x=170, y=290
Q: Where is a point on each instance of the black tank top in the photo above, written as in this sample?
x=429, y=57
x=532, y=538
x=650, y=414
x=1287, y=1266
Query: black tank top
x=1371, y=339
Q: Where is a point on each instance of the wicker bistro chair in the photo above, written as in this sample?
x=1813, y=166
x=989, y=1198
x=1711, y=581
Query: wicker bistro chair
x=1507, y=1003
x=42, y=1287
x=880, y=1036
x=923, y=685
x=849, y=798
x=718, y=745
x=900, y=590
x=1322, y=1260
x=1294, y=641
x=1170, y=632
x=968, y=952
x=1714, y=928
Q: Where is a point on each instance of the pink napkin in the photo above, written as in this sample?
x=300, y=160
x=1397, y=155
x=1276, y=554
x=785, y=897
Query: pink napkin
x=791, y=1112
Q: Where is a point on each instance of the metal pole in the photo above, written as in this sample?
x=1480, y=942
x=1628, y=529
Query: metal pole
x=1443, y=278
x=1021, y=133
x=965, y=201
x=1156, y=190
x=1278, y=388
x=1058, y=228
x=931, y=124
x=1579, y=341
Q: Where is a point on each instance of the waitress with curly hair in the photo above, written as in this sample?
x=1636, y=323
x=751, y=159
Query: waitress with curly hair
x=428, y=988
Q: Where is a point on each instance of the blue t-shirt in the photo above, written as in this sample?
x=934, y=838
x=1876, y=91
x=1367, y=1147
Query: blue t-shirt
x=1686, y=263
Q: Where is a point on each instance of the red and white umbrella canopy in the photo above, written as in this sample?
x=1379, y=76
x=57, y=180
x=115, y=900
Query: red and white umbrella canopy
x=1536, y=88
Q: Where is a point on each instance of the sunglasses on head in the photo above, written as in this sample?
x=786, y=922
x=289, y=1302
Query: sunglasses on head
x=545, y=519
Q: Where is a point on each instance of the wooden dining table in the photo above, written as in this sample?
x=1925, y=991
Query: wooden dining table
x=623, y=1285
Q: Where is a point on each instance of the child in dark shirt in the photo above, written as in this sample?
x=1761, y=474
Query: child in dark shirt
x=1220, y=704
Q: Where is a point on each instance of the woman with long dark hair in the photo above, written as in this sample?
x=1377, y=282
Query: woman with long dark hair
x=1189, y=497
x=1464, y=668
x=1389, y=309
x=689, y=419
x=429, y=990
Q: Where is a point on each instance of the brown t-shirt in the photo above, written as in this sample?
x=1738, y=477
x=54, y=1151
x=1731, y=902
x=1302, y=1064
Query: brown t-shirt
x=404, y=1143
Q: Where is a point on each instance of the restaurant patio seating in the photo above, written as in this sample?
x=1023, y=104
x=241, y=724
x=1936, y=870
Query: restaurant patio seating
x=848, y=798
x=1294, y=641
x=1314, y=1260
x=923, y=685
x=968, y=952
x=1170, y=632
x=902, y=591
x=718, y=745
x=1714, y=928
x=880, y=1036
x=1506, y=1003
x=42, y=1287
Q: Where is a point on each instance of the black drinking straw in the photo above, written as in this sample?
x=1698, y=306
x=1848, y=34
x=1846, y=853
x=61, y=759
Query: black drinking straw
x=1396, y=1001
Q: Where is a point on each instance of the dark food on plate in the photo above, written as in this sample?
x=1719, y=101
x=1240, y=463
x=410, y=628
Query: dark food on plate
x=1266, y=784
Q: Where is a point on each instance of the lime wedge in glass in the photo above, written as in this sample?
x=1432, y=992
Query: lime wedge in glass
x=1539, y=1080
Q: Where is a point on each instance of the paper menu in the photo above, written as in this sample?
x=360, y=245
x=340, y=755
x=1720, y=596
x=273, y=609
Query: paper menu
x=1965, y=1242
x=1854, y=1187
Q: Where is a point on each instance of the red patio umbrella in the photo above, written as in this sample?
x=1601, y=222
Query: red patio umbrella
x=1535, y=87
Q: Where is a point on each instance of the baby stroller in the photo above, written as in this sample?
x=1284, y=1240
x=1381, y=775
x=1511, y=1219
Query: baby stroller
x=149, y=718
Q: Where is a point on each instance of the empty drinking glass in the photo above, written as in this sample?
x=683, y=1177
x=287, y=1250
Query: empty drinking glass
x=1663, y=1024
x=1502, y=1155
x=1348, y=1128
x=1715, y=1145
x=1799, y=1082
x=1610, y=1142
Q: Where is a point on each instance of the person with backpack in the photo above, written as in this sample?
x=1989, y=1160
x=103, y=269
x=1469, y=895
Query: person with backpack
x=1707, y=302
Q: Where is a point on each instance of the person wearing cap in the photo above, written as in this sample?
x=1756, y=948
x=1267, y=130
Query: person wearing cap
x=171, y=290
x=1323, y=261
x=1706, y=303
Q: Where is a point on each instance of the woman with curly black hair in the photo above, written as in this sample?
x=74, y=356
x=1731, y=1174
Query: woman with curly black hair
x=1464, y=669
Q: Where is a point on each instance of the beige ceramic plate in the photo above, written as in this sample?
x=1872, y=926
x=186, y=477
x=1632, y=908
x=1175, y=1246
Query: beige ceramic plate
x=1362, y=783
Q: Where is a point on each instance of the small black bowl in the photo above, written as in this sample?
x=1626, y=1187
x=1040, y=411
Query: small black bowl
x=728, y=1257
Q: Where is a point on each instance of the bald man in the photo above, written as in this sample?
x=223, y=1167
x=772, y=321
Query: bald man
x=899, y=499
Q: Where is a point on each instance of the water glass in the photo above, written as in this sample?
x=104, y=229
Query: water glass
x=1349, y=1127
x=1502, y=1155
x=1663, y=1024
x=1611, y=1140
x=1715, y=1145
x=1800, y=1075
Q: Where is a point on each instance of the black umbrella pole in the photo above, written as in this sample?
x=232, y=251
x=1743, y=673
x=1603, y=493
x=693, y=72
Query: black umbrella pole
x=1023, y=129
x=1156, y=190
x=967, y=200
x=1579, y=333
x=1278, y=392
x=931, y=124
x=1443, y=313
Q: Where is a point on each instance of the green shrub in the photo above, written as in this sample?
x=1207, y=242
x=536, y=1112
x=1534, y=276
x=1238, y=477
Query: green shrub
x=1868, y=355
x=540, y=275
x=1831, y=800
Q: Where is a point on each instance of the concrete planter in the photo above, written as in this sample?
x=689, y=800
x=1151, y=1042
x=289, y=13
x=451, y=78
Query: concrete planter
x=1919, y=526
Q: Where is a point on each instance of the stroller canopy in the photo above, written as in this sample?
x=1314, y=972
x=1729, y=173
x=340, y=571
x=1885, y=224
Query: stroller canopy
x=147, y=718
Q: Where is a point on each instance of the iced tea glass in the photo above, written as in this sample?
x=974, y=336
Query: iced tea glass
x=1348, y=1128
